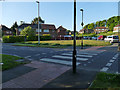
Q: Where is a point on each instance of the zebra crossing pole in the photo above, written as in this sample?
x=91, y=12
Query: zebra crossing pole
x=74, y=46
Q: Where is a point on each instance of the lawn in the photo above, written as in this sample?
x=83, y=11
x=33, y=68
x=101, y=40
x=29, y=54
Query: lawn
x=106, y=80
x=63, y=43
x=9, y=61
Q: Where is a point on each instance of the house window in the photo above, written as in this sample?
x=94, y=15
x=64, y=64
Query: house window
x=7, y=32
x=37, y=30
x=53, y=30
x=46, y=30
x=10, y=32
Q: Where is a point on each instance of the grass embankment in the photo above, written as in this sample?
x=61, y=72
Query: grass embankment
x=106, y=81
x=9, y=61
x=63, y=43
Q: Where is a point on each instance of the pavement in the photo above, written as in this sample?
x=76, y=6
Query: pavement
x=44, y=73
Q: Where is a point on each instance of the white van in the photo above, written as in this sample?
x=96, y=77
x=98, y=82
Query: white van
x=112, y=39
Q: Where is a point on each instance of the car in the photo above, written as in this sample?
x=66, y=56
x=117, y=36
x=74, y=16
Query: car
x=101, y=37
x=112, y=38
x=94, y=38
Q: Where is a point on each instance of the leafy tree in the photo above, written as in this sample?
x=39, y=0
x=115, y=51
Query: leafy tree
x=35, y=20
x=28, y=31
x=91, y=26
x=13, y=28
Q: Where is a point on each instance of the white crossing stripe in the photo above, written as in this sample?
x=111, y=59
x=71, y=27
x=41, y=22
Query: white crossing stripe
x=108, y=64
x=77, y=55
x=58, y=61
x=104, y=69
x=65, y=57
x=112, y=60
x=27, y=56
x=37, y=54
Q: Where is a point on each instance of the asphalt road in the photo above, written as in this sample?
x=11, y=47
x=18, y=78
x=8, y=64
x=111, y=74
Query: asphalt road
x=103, y=59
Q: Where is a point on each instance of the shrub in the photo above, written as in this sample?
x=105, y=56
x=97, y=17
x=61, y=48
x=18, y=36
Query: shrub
x=13, y=39
x=32, y=38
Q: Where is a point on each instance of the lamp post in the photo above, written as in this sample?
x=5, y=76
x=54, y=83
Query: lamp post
x=74, y=45
x=38, y=24
x=82, y=29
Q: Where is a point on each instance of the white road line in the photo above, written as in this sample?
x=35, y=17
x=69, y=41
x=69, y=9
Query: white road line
x=30, y=59
x=108, y=64
x=65, y=57
x=112, y=60
x=43, y=53
x=104, y=69
x=85, y=53
x=27, y=56
x=37, y=54
x=77, y=55
x=58, y=61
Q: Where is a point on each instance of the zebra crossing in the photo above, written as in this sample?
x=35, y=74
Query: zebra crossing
x=66, y=58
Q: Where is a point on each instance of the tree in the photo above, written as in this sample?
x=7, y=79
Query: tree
x=35, y=20
x=91, y=26
x=13, y=28
x=28, y=31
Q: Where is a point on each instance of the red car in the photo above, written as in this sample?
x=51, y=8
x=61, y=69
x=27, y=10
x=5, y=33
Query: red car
x=101, y=37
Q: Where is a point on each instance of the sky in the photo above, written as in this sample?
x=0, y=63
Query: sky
x=57, y=13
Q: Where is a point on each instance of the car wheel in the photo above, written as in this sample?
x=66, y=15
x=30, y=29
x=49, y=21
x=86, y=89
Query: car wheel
x=110, y=42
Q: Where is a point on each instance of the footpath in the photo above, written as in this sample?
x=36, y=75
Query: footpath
x=47, y=75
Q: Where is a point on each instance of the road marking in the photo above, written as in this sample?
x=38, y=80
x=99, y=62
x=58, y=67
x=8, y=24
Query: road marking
x=112, y=60
x=104, y=69
x=58, y=61
x=85, y=53
x=43, y=53
x=27, y=56
x=30, y=59
x=77, y=55
x=65, y=57
x=89, y=62
x=37, y=54
x=116, y=56
x=108, y=64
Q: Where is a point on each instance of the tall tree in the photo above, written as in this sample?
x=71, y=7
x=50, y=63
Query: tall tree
x=13, y=28
x=35, y=20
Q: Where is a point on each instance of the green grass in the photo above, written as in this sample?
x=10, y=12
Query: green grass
x=105, y=80
x=9, y=61
x=62, y=43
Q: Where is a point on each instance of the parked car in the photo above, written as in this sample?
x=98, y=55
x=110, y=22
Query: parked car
x=112, y=39
x=87, y=37
x=101, y=37
x=94, y=38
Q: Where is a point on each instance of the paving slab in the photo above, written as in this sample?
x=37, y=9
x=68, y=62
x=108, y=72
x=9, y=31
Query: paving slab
x=82, y=79
x=38, y=77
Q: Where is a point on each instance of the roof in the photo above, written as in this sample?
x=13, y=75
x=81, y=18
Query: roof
x=101, y=28
x=35, y=26
x=117, y=25
x=4, y=28
x=61, y=28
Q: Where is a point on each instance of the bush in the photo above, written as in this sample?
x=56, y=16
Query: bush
x=32, y=38
x=13, y=39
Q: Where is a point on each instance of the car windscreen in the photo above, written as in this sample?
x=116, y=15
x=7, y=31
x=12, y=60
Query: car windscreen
x=115, y=37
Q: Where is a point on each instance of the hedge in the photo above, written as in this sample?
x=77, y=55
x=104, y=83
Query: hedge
x=13, y=39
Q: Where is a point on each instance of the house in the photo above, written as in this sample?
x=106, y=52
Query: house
x=82, y=31
x=86, y=31
x=116, y=28
x=100, y=29
x=5, y=30
x=44, y=29
x=61, y=31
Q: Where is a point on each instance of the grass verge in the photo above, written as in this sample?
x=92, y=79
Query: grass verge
x=63, y=43
x=9, y=61
x=106, y=81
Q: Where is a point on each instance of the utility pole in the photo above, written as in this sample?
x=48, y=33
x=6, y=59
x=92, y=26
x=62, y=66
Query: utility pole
x=38, y=24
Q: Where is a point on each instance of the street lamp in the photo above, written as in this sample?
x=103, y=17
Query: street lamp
x=74, y=45
x=82, y=29
x=38, y=24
